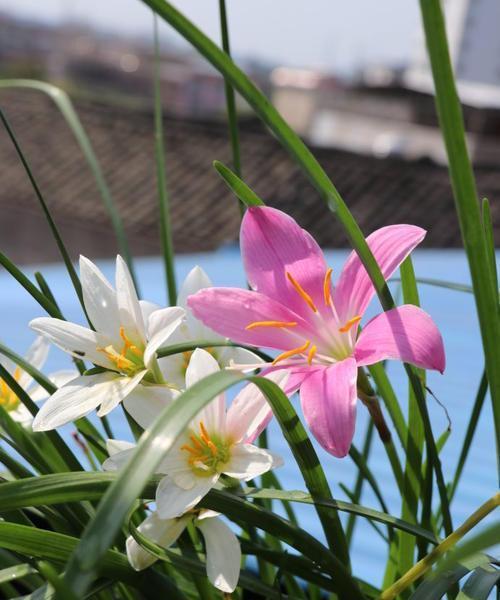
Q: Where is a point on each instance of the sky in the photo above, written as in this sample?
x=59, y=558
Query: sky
x=330, y=34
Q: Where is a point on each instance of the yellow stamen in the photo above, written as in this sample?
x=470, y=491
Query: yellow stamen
x=196, y=443
x=302, y=293
x=204, y=433
x=327, y=287
x=349, y=324
x=128, y=344
x=278, y=324
x=311, y=354
x=292, y=352
x=212, y=447
x=189, y=449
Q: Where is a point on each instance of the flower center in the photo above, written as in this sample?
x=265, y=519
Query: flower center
x=206, y=453
x=334, y=340
x=129, y=360
x=8, y=400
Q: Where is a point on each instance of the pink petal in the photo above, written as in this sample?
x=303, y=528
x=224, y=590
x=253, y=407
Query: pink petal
x=406, y=333
x=272, y=244
x=390, y=246
x=228, y=311
x=328, y=399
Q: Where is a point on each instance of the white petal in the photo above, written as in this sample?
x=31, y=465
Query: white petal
x=163, y=532
x=22, y=416
x=172, y=500
x=250, y=412
x=195, y=280
x=175, y=464
x=128, y=304
x=119, y=391
x=207, y=513
x=36, y=357
x=119, y=454
x=59, y=378
x=200, y=366
x=146, y=402
x=173, y=369
x=223, y=554
x=74, y=339
x=248, y=461
x=147, y=308
x=100, y=301
x=76, y=399
x=161, y=325
x=226, y=355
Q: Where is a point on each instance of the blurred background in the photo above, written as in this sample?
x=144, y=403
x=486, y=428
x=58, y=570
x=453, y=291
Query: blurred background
x=351, y=79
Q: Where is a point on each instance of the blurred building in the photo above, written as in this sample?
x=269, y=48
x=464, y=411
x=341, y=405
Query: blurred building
x=472, y=27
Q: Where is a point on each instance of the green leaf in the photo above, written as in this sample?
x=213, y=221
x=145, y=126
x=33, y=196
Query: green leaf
x=67, y=110
x=237, y=186
x=480, y=584
x=16, y=572
x=74, y=487
x=466, y=199
x=414, y=443
x=161, y=177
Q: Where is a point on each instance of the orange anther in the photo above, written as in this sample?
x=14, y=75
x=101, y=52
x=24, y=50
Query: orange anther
x=279, y=324
x=292, y=352
x=327, y=287
x=302, y=293
x=311, y=353
x=345, y=328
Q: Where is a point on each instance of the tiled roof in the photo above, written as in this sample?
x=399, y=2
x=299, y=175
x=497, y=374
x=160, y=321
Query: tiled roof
x=204, y=213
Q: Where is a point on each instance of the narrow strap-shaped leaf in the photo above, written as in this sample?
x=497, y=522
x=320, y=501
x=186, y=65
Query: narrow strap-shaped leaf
x=65, y=106
x=73, y=487
x=75, y=280
x=240, y=189
x=480, y=584
x=414, y=442
x=16, y=572
x=161, y=178
x=56, y=547
x=466, y=200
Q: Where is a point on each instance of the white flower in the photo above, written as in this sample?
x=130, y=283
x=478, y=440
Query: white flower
x=36, y=357
x=174, y=366
x=126, y=337
x=217, y=442
x=223, y=552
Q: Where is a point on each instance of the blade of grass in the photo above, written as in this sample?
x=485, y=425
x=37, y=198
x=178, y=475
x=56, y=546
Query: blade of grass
x=490, y=241
x=466, y=200
x=53, y=227
x=65, y=106
x=240, y=189
x=232, y=116
x=74, y=487
x=414, y=443
x=161, y=178
x=358, y=486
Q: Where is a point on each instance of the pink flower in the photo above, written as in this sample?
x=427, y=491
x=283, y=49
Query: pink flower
x=295, y=309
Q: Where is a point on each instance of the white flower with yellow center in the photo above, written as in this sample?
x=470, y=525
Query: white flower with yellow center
x=174, y=366
x=217, y=442
x=36, y=357
x=126, y=337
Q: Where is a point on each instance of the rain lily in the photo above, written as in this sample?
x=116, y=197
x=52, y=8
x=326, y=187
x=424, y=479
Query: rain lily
x=294, y=309
x=223, y=552
x=174, y=366
x=126, y=337
x=36, y=357
x=217, y=442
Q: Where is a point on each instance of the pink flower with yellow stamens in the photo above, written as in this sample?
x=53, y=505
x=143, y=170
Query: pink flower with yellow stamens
x=294, y=308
